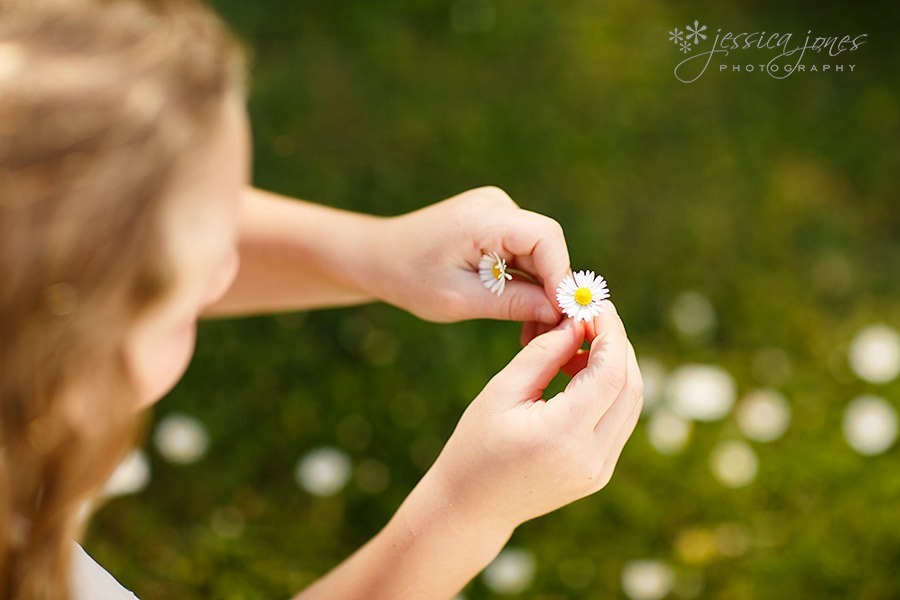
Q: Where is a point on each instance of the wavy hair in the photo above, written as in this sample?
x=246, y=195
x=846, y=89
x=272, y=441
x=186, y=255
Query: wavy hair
x=101, y=102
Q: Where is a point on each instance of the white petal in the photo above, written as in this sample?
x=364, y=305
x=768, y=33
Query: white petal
x=586, y=313
x=569, y=289
x=582, y=279
x=501, y=285
x=566, y=284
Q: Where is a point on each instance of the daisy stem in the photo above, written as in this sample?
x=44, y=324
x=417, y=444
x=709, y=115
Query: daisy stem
x=523, y=275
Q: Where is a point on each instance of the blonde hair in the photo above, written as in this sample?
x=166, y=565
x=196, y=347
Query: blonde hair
x=100, y=104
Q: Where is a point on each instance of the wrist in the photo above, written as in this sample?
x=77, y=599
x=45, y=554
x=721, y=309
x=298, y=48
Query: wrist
x=434, y=506
x=373, y=261
x=430, y=522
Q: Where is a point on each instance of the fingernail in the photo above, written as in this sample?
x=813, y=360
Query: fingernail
x=566, y=324
x=547, y=315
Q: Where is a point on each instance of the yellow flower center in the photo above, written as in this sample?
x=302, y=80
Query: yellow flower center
x=496, y=272
x=583, y=296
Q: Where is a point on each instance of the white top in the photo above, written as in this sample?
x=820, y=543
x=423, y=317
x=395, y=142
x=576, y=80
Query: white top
x=90, y=581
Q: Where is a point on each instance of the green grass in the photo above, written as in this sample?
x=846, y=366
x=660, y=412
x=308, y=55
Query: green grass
x=776, y=200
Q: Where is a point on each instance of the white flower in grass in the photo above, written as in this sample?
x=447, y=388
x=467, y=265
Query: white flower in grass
x=492, y=270
x=579, y=295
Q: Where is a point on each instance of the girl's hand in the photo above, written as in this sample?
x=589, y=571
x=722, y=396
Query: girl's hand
x=433, y=255
x=515, y=456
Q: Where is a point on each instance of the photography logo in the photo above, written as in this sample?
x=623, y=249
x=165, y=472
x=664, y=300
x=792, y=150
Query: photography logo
x=778, y=55
x=690, y=35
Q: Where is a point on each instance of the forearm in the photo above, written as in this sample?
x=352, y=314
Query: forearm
x=429, y=550
x=297, y=255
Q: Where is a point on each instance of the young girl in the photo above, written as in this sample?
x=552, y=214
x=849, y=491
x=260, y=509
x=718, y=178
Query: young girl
x=125, y=214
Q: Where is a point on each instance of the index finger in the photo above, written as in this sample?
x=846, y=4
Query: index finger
x=541, y=239
x=594, y=389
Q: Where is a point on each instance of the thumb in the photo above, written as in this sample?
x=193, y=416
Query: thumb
x=534, y=367
x=524, y=302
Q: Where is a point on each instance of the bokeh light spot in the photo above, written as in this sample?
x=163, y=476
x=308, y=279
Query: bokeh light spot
x=647, y=579
x=131, y=476
x=511, y=572
x=870, y=425
x=323, y=471
x=734, y=463
x=181, y=439
x=874, y=354
x=763, y=415
x=701, y=392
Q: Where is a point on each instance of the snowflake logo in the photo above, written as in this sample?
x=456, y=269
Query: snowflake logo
x=694, y=32
x=684, y=39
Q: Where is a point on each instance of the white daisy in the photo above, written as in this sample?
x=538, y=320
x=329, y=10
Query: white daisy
x=579, y=295
x=493, y=272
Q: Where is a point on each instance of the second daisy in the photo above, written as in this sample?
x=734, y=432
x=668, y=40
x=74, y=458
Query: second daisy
x=493, y=272
x=579, y=295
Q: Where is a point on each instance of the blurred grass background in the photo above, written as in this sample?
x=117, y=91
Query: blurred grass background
x=776, y=200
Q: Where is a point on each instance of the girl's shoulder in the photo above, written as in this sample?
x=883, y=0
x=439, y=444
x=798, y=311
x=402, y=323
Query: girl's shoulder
x=90, y=581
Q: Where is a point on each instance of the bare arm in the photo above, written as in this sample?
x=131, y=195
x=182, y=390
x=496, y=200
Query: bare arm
x=513, y=456
x=430, y=549
x=297, y=255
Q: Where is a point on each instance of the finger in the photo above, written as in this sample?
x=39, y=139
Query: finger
x=580, y=360
x=611, y=444
x=531, y=370
x=601, y=381
x=495, y=194
x=542, y=239
x=577, y=363
x=531, y=330
x=614, y=419
x=520, y=301
x=590, y=329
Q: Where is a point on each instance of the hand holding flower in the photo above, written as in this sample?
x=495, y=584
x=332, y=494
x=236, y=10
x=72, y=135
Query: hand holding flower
x=436, y=253
x=515, y=456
